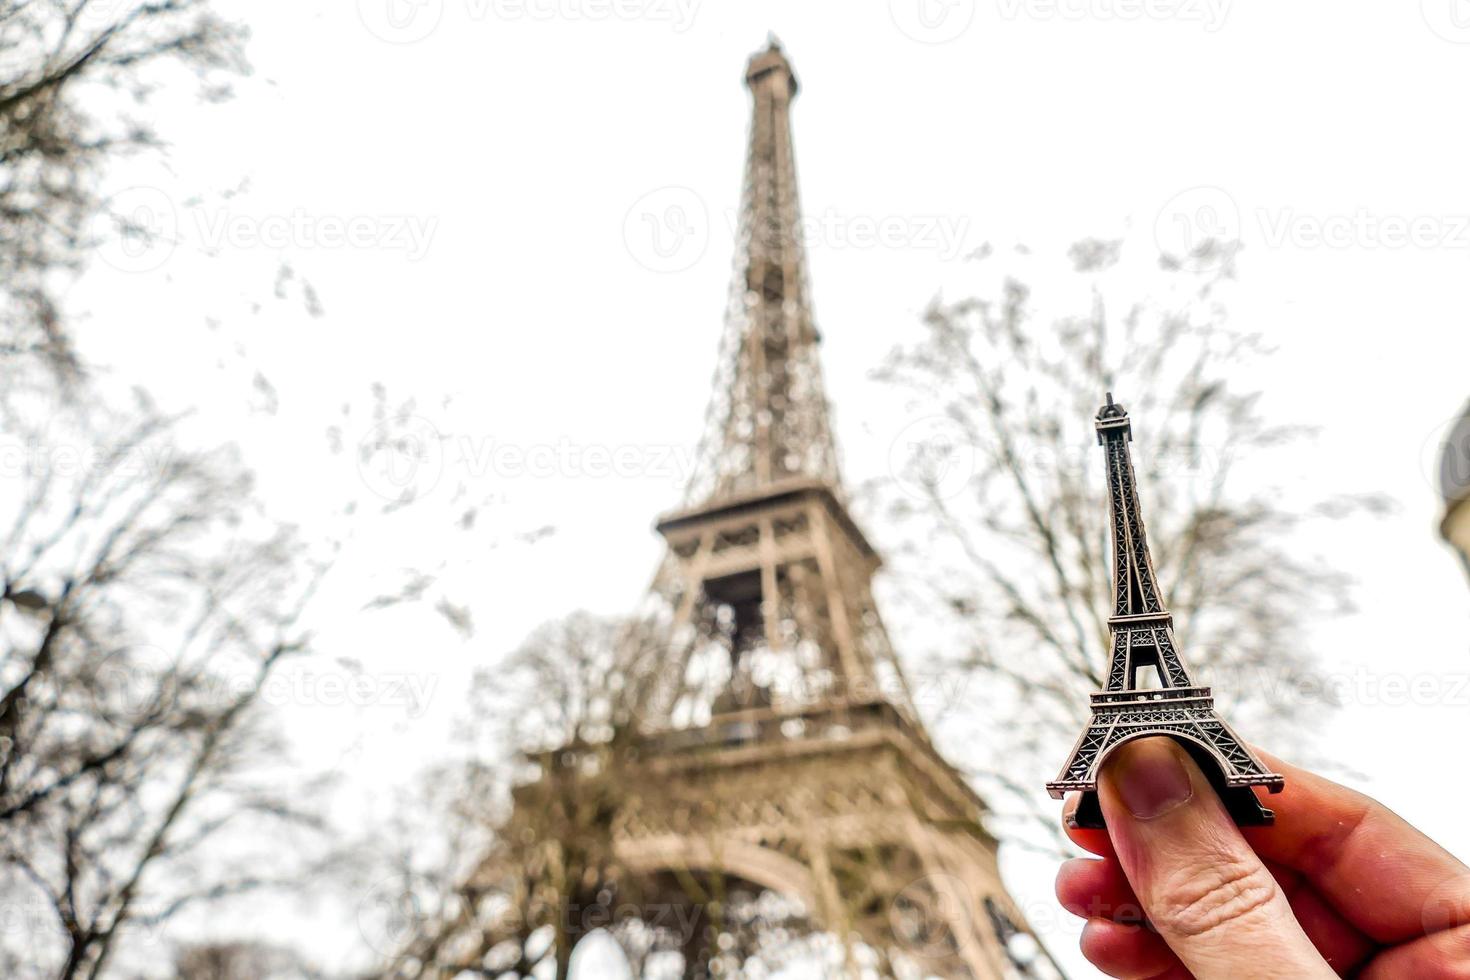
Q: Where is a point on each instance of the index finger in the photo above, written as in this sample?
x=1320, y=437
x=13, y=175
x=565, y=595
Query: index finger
x=1095, y=841
x=1378, y=871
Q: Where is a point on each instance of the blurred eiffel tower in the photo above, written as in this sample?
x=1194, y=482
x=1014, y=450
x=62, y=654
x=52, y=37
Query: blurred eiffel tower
x=775, y=748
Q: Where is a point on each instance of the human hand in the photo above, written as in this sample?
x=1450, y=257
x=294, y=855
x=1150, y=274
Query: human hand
x=1338, y=884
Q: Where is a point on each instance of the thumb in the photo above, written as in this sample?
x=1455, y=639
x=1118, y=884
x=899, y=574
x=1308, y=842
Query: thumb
x=1202, y=887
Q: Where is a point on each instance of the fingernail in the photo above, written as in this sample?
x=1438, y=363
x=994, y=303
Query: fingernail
x=1150, y=777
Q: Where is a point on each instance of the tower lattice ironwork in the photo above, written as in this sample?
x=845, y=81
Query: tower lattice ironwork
x=1144, y=650
x=770, y=745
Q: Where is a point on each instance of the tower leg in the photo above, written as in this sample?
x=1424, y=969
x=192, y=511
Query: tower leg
x=833, y=912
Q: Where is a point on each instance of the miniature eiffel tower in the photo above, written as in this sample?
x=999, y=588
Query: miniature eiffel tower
x=774, y=747
x=1143, y=645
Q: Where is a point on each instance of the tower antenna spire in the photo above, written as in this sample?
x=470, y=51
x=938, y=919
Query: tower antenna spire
x=768, y=420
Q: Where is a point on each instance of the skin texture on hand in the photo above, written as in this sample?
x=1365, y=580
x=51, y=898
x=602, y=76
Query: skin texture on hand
x=1340, y=884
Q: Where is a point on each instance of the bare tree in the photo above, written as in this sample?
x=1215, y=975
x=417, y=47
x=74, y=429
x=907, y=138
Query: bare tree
x=1002, y=506
x=73, y=76
x=152, y=615
x=148, y=602
x=488, y=896
x=146, y=605
x=531, y=866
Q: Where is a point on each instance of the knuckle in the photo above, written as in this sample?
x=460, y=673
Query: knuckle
x=1199, y=900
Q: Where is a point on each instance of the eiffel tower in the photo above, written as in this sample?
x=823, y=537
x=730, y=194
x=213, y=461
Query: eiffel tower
x=1144, y=648
x=771, y=747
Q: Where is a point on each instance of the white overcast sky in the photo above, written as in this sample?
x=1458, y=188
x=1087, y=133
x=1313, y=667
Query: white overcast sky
x=505, y=168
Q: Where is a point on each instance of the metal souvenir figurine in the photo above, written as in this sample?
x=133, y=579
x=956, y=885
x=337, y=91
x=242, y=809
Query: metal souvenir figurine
x=1144, y=650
